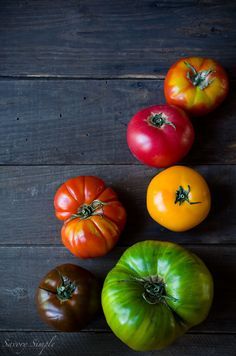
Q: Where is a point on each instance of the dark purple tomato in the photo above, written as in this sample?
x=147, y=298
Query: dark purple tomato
x=68, y=297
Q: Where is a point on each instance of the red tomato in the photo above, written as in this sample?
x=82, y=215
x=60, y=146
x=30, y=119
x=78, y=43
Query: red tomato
x=94, y=218
x=197, y=85
x=160, y=135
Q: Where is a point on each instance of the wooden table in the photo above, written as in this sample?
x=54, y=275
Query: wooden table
x=72, y=75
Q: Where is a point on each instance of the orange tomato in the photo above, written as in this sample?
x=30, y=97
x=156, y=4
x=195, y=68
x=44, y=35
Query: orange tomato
x=197, y=85
x=93, y=215
x=178, y=198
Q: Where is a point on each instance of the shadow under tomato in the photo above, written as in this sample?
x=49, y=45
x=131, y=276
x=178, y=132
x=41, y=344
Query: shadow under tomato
x=214, y=135
x=218, y=226
x=220, y=261
x=136, y=215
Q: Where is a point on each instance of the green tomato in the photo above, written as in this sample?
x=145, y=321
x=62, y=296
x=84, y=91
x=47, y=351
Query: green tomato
x=155, y=293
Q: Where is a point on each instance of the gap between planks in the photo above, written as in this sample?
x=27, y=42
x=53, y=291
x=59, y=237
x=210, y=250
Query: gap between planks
x=107, y=164
x=190, y=244
x=62, y=77
x=45, y=77
x=104, y=331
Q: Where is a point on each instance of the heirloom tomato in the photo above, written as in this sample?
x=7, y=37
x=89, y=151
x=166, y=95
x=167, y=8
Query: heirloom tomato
x=93, y=216
x=178, y=198
x=197, y=85
x=160, y=135
x=68, y=297
x=155, y=293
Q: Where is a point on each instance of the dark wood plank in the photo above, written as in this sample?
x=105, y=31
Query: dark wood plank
x=83, y=123
x=74, y=122
x=22, y=268
x=106, y=344
x=100, y=38
x=27, y=212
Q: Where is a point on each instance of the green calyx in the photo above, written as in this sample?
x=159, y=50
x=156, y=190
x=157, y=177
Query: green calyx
x=66, y=289
x=87, y=210
x=199, y=79
x=182, y=196
x=159, y=120
x=154, y=290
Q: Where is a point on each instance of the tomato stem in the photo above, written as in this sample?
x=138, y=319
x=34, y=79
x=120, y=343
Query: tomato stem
x=154, y=290
x=66, y=288
x=199, y=79
x=182, y=195
x=159, y=120
x=87, y=210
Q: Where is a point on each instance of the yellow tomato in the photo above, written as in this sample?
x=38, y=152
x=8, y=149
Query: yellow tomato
x=178, y=198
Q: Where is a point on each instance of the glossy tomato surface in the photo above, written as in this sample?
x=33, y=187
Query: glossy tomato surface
x=93, y=216
x=68, y=297
x=178, y=198
x=160, y=135
x=155, y=293
x=197, y=85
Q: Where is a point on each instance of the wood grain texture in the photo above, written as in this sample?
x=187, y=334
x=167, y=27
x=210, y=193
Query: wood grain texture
x=102, y=38
x=106, y=344
x=27, y=212
x=18, y=285
x=72, y=74
x=74, y=122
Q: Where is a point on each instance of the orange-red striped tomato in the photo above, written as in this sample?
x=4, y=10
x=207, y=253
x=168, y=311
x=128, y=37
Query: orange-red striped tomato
x=93, y=216
x=197, y=85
